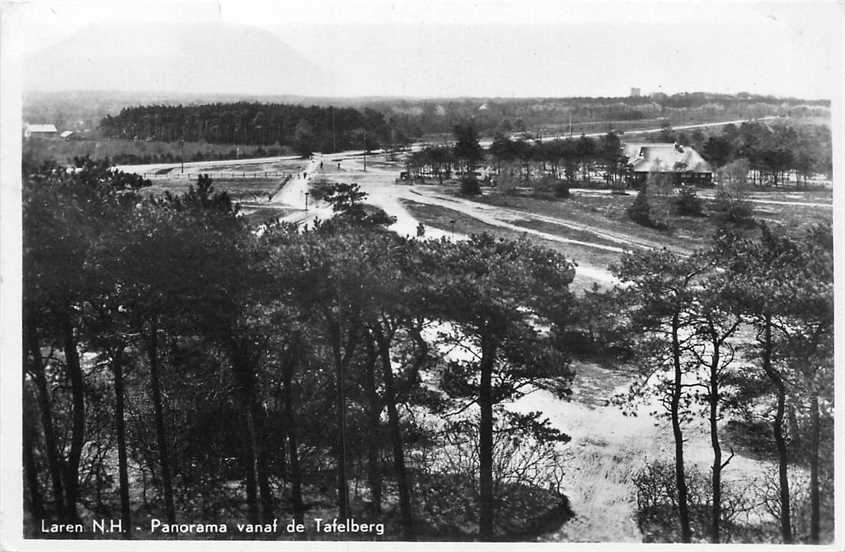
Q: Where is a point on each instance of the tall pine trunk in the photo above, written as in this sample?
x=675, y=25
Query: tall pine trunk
x=485, y=445
x=675, y=405
x=120, y=428
x=54, y=464
x=161, y=436
x=248, y=463
x=402, y=479
x=267, y=503
x=30, y=466
x=77, y=384
x=245, y=397
x=340, y=417
x=815, y=503
x=716, y=506
x=374, y=442
x=290, y=418
x=778, y=430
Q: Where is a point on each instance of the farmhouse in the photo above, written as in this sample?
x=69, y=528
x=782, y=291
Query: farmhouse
x=40, y=131
x=683, y=162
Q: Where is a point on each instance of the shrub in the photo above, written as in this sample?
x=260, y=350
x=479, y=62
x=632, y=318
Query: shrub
x=657, y=511
x=643, y=212
x=640, y=210
x=506, y=182
x=561, y=189
x=732, y=209
x=469, y=185
x=688, y=204
x=732, y=193
x=543, y=185
x=529, y=467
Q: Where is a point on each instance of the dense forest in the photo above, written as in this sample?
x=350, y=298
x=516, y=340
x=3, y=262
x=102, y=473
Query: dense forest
x=306, y=129
x=182, y=365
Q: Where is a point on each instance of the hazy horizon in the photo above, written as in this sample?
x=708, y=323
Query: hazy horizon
x=778, y=50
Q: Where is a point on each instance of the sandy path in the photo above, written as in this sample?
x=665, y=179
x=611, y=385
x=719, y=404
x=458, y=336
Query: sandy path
x=707, y=194
x=507, y=215
x=382, y=191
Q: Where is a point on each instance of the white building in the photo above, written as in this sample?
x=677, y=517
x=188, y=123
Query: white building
x=40, y=131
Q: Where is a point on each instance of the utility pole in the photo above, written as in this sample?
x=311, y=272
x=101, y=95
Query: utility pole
x=365, y=150
x=306, y=201
x=182, y=153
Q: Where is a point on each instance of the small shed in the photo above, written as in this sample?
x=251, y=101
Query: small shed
x=41, y=130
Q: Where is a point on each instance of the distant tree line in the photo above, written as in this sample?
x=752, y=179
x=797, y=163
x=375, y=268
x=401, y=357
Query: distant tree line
x=418, y=118
x=774, y=151
x=397, y=121
x=305, y=129
x=519, y=161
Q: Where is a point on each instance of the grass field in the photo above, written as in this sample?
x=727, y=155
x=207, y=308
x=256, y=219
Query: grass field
x=63, y=151
x=259, y=214
x=608, y=212
x=454, y=221
x=239, y=189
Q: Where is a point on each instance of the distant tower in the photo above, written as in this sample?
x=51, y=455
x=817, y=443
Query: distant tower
x=635, y=92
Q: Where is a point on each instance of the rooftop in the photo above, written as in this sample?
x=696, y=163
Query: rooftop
x=41, y=128
x=664, y=157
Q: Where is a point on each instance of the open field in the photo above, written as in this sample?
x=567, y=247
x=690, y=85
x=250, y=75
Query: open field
x=604, y=211
x=455, y=221
x=142, y=151
x=239, y=189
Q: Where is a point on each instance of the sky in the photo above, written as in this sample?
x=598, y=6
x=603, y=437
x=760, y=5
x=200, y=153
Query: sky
x=487, y=48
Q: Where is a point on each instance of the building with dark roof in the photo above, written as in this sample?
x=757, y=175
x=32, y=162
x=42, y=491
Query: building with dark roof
x=683, y=162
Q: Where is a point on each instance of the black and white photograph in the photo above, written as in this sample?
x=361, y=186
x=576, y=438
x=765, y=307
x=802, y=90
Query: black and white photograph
x=448, y=272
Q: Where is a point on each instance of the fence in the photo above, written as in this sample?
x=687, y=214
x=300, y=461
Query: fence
x=175, y=174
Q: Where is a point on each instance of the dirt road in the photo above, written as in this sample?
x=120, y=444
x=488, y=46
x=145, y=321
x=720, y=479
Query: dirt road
x=710, y=194
x=379, y=182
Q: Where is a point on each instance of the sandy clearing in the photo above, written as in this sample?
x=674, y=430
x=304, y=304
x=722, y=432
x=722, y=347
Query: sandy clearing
x=488, y=215
x=198, y=166
x=380, y=185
